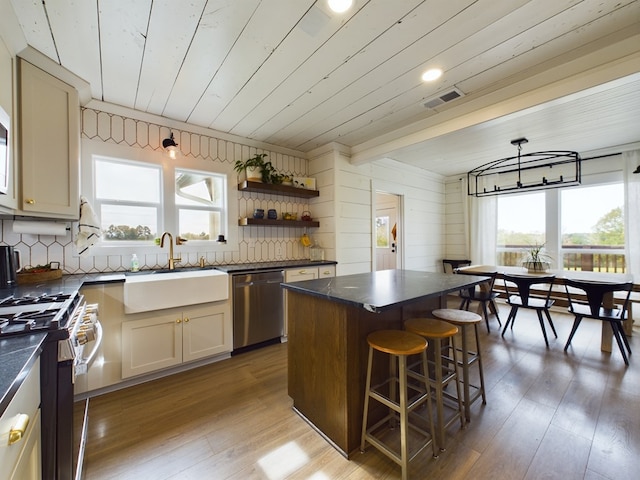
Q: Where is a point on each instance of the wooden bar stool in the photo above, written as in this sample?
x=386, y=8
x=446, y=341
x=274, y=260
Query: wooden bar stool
x=445, y=369
x=398, y=344
x=465, y=319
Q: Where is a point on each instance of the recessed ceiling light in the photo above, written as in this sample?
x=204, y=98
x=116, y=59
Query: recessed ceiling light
x=340, y=6
x=431, y=74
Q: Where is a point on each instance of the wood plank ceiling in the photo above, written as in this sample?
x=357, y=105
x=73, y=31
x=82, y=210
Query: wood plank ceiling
x=294, y=74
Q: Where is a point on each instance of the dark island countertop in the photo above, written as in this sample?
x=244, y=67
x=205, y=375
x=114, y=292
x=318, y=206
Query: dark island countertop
x=328, y=322
x=382, y=290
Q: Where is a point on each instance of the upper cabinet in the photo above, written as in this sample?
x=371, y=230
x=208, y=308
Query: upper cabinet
x=49, y=112
x=8, y=130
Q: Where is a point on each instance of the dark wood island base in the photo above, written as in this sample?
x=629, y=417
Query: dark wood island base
x=328, y=323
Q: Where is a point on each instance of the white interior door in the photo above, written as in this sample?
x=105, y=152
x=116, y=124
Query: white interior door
x=388, y=231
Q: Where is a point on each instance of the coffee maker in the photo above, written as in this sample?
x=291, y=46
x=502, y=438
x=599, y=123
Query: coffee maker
x=9, y=266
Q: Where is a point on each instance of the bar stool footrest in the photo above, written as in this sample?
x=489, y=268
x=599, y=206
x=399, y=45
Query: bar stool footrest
x=375, y=437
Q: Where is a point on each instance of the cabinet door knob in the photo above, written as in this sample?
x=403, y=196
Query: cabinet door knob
x=186, y=319
x=19, y=427
x=30, y=201
x=178, y=320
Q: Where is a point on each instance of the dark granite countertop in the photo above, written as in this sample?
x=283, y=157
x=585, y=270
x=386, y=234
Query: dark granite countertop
x=382, y=290
x=17, y=355
x=262, y=266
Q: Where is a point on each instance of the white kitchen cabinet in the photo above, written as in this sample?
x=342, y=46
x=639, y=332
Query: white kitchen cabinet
x=49, y=111
x=309, y=273
x=300, y=274
x=22, y=458
x=161, y=339
x=305, y=273
x=326, y=271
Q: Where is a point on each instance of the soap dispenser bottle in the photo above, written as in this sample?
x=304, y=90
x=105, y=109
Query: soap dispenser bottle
x=135, y=265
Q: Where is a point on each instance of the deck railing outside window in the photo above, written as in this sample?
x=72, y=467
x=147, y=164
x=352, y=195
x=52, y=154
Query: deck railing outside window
x=585, y=258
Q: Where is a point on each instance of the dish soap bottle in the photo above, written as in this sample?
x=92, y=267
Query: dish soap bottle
x=135, y=266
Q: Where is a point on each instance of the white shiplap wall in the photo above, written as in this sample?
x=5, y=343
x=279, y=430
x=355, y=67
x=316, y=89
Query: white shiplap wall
x=349, y=235
x=455, y=232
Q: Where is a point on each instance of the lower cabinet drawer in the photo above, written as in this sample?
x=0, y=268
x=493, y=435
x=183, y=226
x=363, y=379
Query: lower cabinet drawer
x=26, y=402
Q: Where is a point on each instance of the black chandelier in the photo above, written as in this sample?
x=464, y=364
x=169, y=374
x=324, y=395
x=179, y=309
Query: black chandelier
x=528, y=171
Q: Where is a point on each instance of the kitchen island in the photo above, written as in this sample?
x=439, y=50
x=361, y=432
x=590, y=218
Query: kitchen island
x=328, y=323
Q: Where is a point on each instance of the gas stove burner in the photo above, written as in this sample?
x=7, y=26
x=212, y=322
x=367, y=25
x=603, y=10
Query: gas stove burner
x=30, y=300
x=36, y=313
x=25, y=322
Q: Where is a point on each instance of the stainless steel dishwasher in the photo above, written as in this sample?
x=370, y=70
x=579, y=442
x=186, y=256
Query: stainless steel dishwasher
x=258, y=308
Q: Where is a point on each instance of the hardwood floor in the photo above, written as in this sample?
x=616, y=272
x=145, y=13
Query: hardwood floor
x=548, y=415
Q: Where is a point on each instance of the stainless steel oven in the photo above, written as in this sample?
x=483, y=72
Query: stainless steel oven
x=74, y=336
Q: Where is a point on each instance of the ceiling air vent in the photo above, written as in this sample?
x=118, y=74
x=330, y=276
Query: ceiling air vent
x=442, y=98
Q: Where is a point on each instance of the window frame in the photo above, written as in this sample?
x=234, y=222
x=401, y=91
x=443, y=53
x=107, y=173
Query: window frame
x=224, y=212
x=92, y=147
x=553, y=212
x=98, y=203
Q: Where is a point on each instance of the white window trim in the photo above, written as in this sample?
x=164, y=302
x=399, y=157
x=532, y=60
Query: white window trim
x=91, y=148
x=553, y=244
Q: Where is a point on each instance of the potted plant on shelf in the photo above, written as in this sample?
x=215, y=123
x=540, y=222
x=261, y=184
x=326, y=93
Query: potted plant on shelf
x=276, y=178
x=536, y=260
x=255, y=168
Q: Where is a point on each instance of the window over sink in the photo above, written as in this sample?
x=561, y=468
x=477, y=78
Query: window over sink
x=137, y=201
x=200, y=201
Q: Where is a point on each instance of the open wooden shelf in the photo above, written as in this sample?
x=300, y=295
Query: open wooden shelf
x=244, y=222
x=274, y=189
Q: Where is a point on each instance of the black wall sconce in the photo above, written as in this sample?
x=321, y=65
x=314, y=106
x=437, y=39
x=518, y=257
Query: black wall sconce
x=171, y=147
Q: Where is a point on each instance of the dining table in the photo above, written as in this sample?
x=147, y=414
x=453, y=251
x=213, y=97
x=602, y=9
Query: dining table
x=560, y=277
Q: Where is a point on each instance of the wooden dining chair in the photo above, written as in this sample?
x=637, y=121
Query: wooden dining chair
x=519, y=295
x=482, y=293
x=599, y=305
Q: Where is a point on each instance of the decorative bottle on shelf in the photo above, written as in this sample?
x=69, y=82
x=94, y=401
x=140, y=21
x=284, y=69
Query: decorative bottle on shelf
x=135, y=265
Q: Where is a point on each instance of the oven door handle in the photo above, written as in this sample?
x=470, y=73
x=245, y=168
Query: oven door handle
x=84, y=362
x=96, y=345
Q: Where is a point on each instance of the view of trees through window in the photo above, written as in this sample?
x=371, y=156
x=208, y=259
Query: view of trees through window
x=127, y=196
x=591, y=235
x=521, y=220
x=133, y=206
